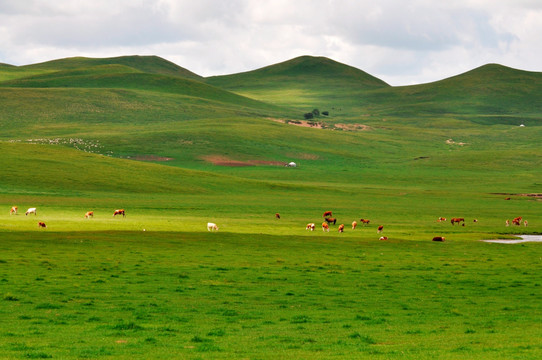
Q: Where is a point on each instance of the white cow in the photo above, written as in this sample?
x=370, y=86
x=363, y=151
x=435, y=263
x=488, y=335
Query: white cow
x=30, y=211
x=212, y=227
x=310, y=227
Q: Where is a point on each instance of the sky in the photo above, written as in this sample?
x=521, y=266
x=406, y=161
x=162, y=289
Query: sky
x=402, y=42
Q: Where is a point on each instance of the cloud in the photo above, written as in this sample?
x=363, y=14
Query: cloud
x=400, y=42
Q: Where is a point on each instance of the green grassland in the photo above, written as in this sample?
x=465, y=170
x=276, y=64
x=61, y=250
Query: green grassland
x=156, y=284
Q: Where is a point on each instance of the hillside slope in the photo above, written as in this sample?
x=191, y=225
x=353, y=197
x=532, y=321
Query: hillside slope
x=123, y=77
x=146, y=64
x=304, y=82
x=489, y=94
x=298, y=69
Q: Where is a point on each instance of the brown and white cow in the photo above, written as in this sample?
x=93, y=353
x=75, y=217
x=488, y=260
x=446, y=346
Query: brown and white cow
x=341, y=228
x=439, y=238
x=383, y=238
x=517, y=221
x=380, y=229
x=31, y=211
x=212, y=226
x=41, y=224
x=13, y=210
x=354, y=224
x=325, y=227
x=327, y=213
x=310, y=227
x=119, y=212
x=277, y=216
x=331, y=220
x=89, y=214
x=440, y=219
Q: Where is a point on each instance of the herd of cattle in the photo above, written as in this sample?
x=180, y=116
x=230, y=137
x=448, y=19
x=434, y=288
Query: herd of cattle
x=328, y=220
x=14, y=211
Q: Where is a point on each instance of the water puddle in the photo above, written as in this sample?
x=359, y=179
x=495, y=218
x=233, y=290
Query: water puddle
x=524, y=239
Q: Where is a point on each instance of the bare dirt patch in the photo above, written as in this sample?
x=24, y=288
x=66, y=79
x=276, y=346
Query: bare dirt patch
x=149, y=158
x=221, y=160
x=320, y=125
x=302, y=123
x=303, y=156
x=353, y=127
x=452, y=142
x=535, y=196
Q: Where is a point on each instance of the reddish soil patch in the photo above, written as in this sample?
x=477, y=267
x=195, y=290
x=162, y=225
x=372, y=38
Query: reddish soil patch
x=536, y=196
x=149, y=158
x=221, y=160
x=303, y=156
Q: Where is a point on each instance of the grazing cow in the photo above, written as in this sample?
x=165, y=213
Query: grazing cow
x=41, y=224
x=475, y=220
x=365, y=221
x=507, y=222
x=440, y=219
x=331, y=220
x=31, y=211
x=119, y=212
x=325, y=227
x=13, y=210
x=507, y=198
x=310, y=227
x=380, y=228
x=457, y=220
x=212, y=227
x=383, y=238
x=525, y=223
x=89, y=214
x=439, y=238
x=517, y=220
x=354, y=224
x=277, y=216
x=341, y=228
x=327, y=213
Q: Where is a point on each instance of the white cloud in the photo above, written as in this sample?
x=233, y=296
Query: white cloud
x=398, y=41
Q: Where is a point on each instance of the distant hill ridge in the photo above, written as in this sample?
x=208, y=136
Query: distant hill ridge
x=300, y=84
x=148, y=64
x=300, y=68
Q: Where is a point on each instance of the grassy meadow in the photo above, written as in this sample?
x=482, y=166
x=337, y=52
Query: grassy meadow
x=177, y=150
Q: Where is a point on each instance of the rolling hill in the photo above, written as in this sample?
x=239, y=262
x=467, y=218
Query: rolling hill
x=304, y=82
x=490, y=94
x=146, y=64
x=133, y=108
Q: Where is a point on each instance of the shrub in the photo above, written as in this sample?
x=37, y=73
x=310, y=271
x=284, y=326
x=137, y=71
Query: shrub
x=309, y=116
